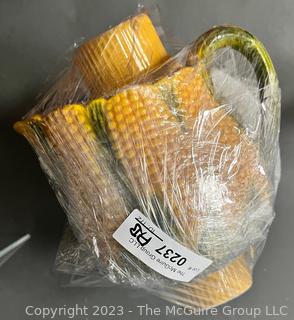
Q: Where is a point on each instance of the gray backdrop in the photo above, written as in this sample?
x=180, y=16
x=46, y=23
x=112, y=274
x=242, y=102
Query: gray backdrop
x=33, y=37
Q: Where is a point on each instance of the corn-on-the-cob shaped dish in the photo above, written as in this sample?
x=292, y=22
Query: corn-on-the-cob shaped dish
x=123, y=54
x=80, y=170
x=215, y=289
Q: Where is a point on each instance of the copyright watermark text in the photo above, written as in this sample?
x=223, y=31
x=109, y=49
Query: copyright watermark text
x=91, y=312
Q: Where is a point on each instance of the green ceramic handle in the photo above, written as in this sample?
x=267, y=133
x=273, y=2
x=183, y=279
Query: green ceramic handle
x=250, y=47
x=241, y=41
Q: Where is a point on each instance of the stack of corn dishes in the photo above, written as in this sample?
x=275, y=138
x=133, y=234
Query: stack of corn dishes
x=166, y=146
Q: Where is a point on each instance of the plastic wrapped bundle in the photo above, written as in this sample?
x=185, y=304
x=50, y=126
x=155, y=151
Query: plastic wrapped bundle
x=151, y=149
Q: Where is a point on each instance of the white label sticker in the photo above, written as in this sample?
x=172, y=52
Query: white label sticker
x=157, y=250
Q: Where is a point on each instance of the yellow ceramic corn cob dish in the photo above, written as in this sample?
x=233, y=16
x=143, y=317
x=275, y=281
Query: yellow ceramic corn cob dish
x=91, y=195
x=215, y=289
x=121, y=55
x=145, y=137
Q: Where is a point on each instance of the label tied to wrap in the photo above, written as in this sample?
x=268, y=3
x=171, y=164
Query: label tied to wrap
x=157, y=250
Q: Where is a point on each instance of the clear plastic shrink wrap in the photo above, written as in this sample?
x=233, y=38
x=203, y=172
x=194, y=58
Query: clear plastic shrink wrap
x=7, y=252
x=189, y=140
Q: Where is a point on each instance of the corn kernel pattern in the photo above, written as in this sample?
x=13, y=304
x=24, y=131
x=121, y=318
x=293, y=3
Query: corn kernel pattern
x=214, y=289
x=121, y=55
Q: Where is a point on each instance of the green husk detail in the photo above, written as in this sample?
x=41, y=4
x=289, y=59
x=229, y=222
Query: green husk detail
x=98, y=120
